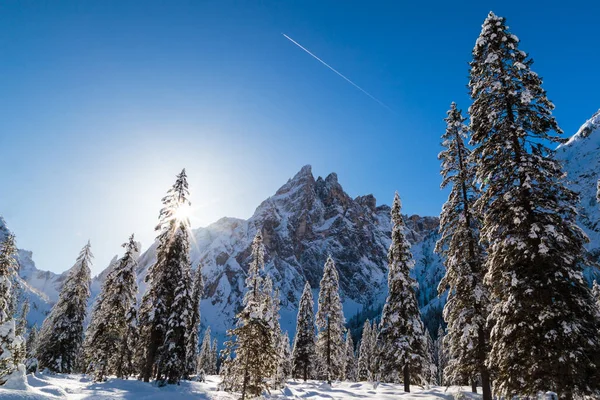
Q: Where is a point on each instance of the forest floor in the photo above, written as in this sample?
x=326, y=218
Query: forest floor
x=79, y=387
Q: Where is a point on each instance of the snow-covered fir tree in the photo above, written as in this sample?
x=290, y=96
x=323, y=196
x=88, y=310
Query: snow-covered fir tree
x=214, y=352
x=350, y=362
x=11, y=343
x=165, y=311
x=544, y=333
x=467, y=306
x=270, y=306
x=402, y=345
x=284, y=366
x=596, y=295
x=304, y=352
x=204, y=363
x=330, y=346
x=366, y=355
x=31, y=362
x=109, y=343
x=431, y=358
x=61, y=335
x=194, y=323
x=441, y=356
x=250, y=355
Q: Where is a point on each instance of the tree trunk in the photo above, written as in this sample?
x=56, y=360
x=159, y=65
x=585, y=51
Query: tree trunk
x=473, y=385
x=305, y=371
x=406, y=378
x=486, y=386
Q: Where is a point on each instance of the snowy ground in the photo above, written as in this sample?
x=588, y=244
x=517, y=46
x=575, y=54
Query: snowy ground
x=80, y=387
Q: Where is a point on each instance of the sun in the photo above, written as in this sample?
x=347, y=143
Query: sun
x=183, y=213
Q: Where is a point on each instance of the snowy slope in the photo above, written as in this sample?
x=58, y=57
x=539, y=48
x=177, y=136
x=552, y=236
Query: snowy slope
x=43, y=387
x=581, y=160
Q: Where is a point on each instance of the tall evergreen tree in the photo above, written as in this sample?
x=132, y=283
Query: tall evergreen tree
x=284, y=367
x=164, y=313
x=193, y=329
x=250, y=353
x=350, y=362
x=366, y=353
x=205, y=357
x=330, y=321
x=468, y=306
x=441, y=356
x=214, y=352
x=61, y=335
x=544, y=323
x=402, y=341
x=11, y=342
x=596, y=295
x=304, y=353
x=109, y=343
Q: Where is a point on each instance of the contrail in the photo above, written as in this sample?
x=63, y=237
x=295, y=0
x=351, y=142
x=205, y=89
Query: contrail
x=337, y=72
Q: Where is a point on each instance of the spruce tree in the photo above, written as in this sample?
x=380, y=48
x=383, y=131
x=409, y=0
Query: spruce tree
x=164, y=313
x=441, y=356
x=61, y=335
x=109, y=343
x=596, y=295
x=250, y=353
x=350, y=364
x=214, y=352
x=31, y=362
x=366, y=356
x=284, y=367
x=330, y=347
x=401, y=340
x=204, y=364
x=194, y=327
x=304, y=353
x=11, y=343
x=467, y=306
x=544, y=332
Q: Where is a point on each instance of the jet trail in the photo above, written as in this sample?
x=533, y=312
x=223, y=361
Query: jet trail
x=337, y=72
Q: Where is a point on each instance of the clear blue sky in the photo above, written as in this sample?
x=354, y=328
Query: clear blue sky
x=103, y=102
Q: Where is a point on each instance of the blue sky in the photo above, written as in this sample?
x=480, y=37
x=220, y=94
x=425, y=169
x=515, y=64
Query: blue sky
x=102, y=103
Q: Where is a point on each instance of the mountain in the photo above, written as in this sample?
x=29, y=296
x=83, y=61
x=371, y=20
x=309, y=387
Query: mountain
x=307, y=219
x=581, y=160
x=303, y=222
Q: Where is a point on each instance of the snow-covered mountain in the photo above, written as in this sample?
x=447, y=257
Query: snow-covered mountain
x=307, y=219
x=581, y=160
x=303, y=222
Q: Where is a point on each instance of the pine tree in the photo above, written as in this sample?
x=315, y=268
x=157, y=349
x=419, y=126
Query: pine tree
x=350, y=362
x=109, y=343
x=304, y=353
x=544, y=332
x=11, y=343
x=193, y=329
x=402, y=341
x=431, y=353
x=366, y=353
x=61, y=335
x=205, y=357
x=214, y=352
x=330, y=321
x=165, y=310
x=596, y=295
x=31, y=362
x=251, y=341
x=467, y=306
x=284, y=367
x=441, y=356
